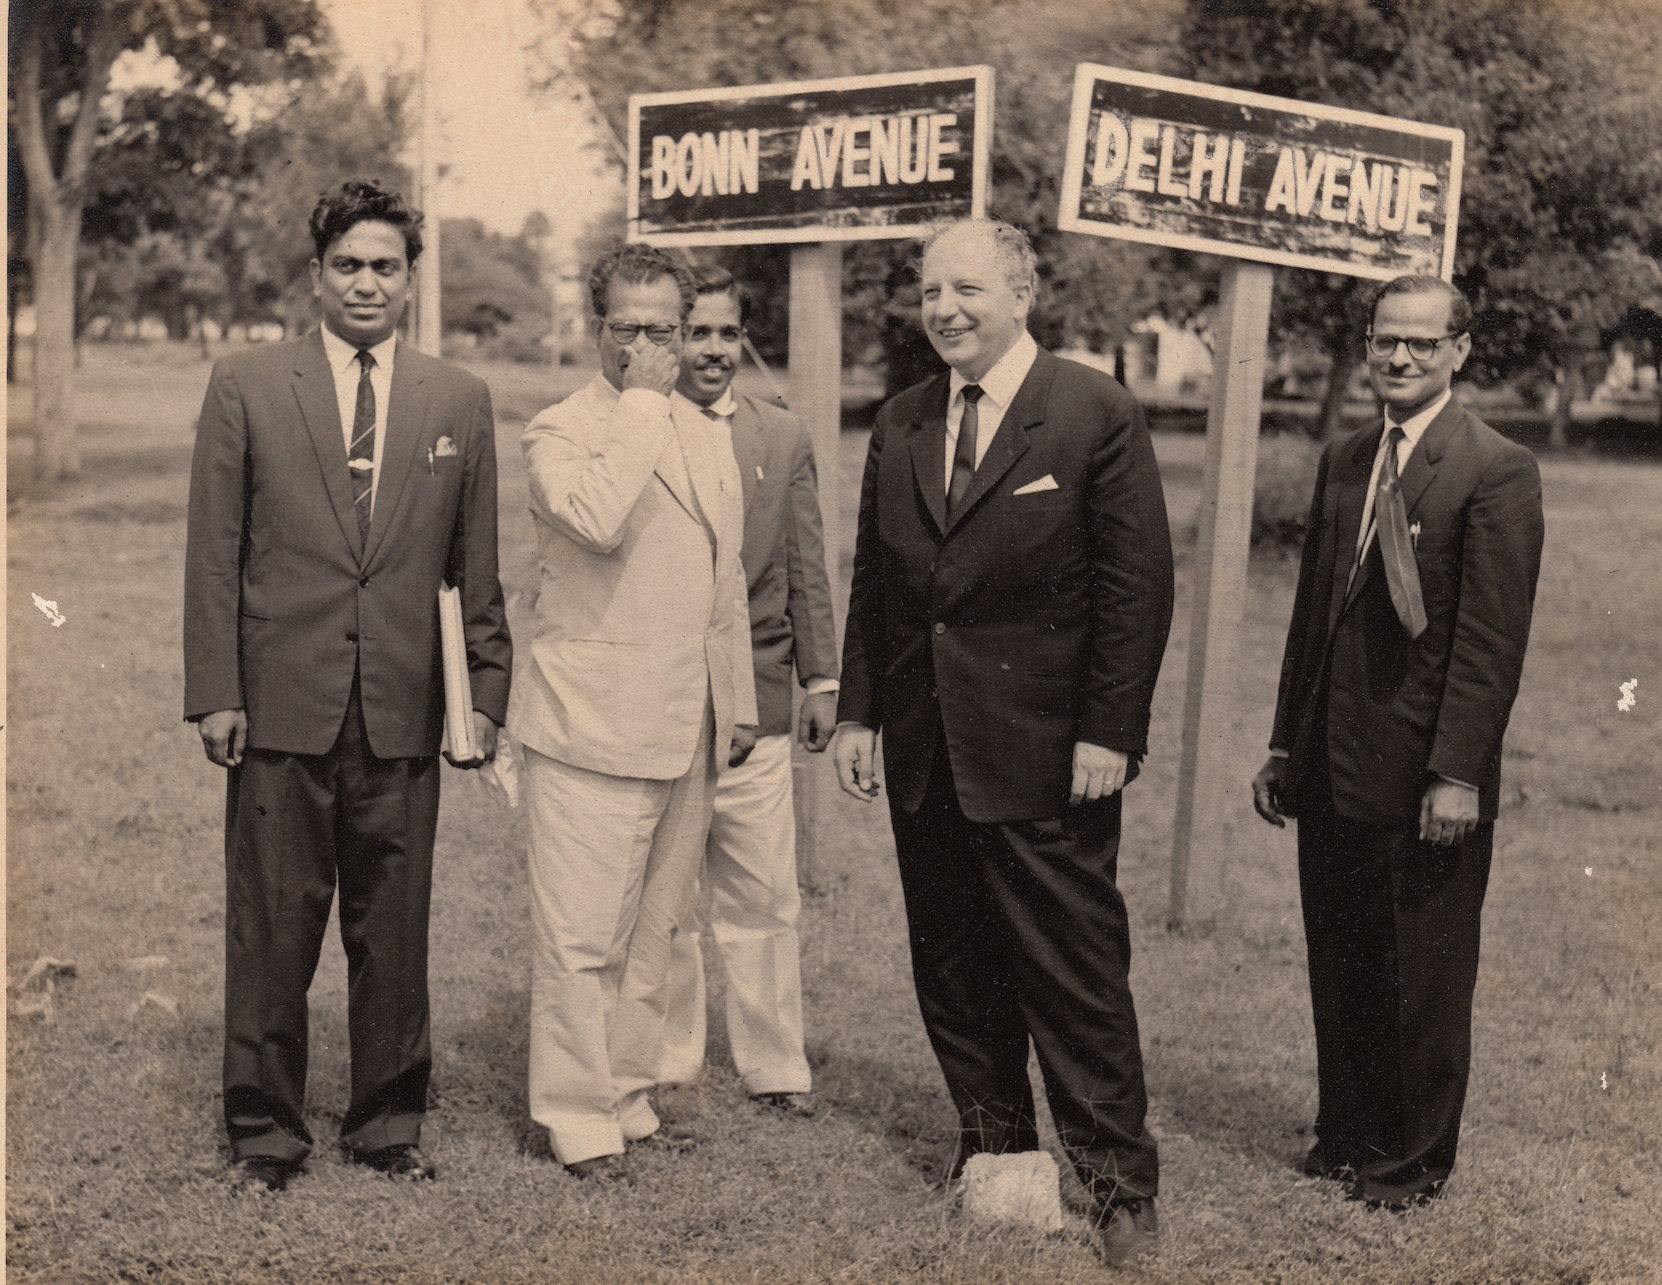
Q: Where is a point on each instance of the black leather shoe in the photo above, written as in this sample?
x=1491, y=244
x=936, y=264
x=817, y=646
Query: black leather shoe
x=264, y=1173
x=404, y=1161
x=1129, y=1230
x=602, y=1169
x=797, y=1104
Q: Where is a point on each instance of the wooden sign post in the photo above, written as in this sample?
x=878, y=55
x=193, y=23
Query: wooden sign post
x=813, y=164
x=1261, y=181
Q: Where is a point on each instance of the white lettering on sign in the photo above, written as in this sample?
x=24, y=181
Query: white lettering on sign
x=1123, y=152
x=1378, y=197
x=871, y=151
x=724, y=164
x=1160, y=158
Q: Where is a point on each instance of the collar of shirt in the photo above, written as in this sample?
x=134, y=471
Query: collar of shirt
x=722, y=408
x=343, y=355
x=998, y=389
x=1413, y=429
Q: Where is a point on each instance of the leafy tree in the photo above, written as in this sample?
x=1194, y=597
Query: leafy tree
x=60, y=54
x=1558, y=194
x=490, y=280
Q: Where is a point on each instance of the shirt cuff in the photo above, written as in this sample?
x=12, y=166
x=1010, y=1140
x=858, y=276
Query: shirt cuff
x=1462, y=784
x=819, y=686
x=1279, y=754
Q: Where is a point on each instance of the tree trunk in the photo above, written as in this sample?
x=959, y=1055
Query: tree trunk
x=57, y=195
x=1330, y=420
x=1569, y=392
x=57, y=452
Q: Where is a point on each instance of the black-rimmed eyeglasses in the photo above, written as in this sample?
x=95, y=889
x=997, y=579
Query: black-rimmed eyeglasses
x=625, y=334
x=1419, y=349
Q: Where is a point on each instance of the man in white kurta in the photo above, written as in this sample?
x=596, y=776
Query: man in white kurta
x=639, y=676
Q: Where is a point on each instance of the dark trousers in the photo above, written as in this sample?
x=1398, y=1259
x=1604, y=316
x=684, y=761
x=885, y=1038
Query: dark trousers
x=1392, y=927
x=1018, y=932
x=296, y=826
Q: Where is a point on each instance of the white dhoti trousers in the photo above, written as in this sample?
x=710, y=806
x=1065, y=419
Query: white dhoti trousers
x=753, y=905
x=614, y=866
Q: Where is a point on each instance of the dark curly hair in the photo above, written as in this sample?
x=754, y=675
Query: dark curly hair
x=721, y=281
x=638, y=264
x=359, y=201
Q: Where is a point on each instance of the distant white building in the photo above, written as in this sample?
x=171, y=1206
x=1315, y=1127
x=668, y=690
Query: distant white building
x=1164, y=361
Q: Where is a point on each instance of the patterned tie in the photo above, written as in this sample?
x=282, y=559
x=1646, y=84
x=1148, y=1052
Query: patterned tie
x=963, y=457
x=360, y=456
x=1402, y=573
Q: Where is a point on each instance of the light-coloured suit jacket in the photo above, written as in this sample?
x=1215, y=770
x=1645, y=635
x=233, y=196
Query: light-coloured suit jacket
x=641, y=612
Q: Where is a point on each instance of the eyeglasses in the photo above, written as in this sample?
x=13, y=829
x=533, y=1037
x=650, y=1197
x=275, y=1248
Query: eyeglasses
x=625, y=334
x=1418, y=349
x=727, y=334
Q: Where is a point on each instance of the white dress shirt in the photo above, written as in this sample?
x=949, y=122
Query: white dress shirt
x=998, y=389
x=343, y=363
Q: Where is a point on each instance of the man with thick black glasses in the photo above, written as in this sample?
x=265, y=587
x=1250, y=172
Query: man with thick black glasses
x=1403, y=658
x=640, y=677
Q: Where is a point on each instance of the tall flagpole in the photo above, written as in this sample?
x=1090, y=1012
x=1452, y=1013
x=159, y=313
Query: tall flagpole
x=428, y=313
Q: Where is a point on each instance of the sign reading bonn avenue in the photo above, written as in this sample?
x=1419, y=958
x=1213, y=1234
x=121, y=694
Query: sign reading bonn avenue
x=1223, y=171
x=852, y=159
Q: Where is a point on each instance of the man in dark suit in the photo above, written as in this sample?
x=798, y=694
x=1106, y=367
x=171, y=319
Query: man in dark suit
x=1012, y=594
x=749, y=871
x=339, y=481
x=1403, y=658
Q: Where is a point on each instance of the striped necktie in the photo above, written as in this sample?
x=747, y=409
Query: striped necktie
x=360, y=456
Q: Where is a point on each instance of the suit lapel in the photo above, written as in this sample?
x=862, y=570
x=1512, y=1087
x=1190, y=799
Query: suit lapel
x=1421, y=468
x=405, y=429
x=929, y=452
x=1027, y=409
x=314, y=389
x=749, y=448
x=674, y=467
x=1351, y=492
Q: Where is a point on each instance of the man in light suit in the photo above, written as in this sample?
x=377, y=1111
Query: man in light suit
x=750, y=859
x=639, y=675
x=338, y=481
x=1012, y=594
x=1403, y=658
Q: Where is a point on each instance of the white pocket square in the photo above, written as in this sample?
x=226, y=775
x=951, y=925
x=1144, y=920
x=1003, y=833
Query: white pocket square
x=444, y=447
x=1045, y=483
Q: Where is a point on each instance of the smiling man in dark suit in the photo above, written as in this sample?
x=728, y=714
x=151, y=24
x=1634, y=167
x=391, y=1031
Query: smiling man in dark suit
x=1403, y=658
x=338, y=481
x=1012, y=595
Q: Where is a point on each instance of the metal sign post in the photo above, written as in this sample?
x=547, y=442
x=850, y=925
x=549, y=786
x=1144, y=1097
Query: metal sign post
x=1263, y=181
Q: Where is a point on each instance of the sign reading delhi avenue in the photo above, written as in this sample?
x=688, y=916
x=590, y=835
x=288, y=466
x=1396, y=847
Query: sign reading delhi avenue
x=1223, y=171
x=852, y=159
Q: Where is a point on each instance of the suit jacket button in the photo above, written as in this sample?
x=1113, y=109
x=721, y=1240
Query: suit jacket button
x=352, y=636
x=363, y=582
x=940, y=626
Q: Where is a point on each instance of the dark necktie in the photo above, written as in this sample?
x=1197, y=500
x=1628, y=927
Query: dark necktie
x=1402, y=573
x=963, y=458
x=360, y=455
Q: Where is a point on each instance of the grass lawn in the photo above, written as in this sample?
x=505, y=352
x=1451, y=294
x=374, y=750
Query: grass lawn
x=115, y=1163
